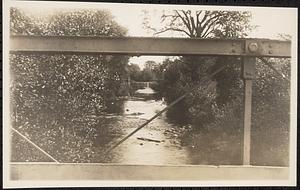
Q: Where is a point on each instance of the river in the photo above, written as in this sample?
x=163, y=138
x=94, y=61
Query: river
x=138, y=149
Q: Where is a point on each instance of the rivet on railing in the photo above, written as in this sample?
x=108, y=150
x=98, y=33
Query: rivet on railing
x=253, y=47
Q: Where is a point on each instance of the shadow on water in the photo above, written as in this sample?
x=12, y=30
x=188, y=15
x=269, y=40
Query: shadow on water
x=158, y=140
x=168, y=139
x=175, y=115
x=178, y=115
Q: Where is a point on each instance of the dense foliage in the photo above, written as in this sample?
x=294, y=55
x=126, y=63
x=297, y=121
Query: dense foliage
x=223, y=137
x=186, y=71
x=56, y=100
x=50, y=94
x=271, y=114
x=150, y=72
x=217, y=116
x=21, y=24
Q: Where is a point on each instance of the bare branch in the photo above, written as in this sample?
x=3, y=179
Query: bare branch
x=207, y=33
x=198, y=13
x=186, y=16
x=193, y=26
x=209, y=23
x=173, y=29
x=202, y=24
x=172, y=22
x=209, y=26
x=210, y=19
x=211, y=30
x=204, y=18
x=185, y=23
x=164, y=17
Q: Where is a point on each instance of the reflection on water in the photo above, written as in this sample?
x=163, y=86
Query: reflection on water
x=142, y=109
x=146, y=90
x=165, y=149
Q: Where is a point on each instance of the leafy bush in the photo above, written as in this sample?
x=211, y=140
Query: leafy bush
x=216, y=115
x=186, y=72
x=219, y=142
x=271, y=114
x=50, y=93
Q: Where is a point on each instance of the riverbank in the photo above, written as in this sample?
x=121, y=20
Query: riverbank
x=164, y=140
x=88, y=137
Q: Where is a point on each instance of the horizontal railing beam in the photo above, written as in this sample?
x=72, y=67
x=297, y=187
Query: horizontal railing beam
x=150, y=46
x=96, y=171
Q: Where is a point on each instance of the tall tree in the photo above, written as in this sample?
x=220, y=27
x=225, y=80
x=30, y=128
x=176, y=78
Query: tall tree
x=85, y=22
x=270, y=94
x=22, y=24
x=203, y=24
x=134, y=72
x=53, y=94
x=188, y=70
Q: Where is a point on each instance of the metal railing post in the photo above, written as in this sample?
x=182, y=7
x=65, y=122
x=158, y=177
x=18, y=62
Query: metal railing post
x=248, y=76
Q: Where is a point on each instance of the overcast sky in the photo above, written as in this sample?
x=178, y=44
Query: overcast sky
x=270, y=21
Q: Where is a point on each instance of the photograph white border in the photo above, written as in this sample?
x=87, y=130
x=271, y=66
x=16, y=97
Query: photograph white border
x=105, y=183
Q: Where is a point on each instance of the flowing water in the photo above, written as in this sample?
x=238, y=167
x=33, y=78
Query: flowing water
x=163, y=148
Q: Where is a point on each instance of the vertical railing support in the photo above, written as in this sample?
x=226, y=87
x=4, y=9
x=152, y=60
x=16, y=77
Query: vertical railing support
x=248, y=76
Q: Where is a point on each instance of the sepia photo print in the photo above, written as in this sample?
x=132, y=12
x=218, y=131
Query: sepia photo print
x=100, y=94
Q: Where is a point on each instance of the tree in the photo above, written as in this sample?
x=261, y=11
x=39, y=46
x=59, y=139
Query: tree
x=150, y=71
x=204, y=24
x=22, y=24
x=89, y=22
x=150, y=65
x=188, y=70
x=218, y=115
x=86, y=22
x=210, y=24
x=134, y=72
x=53, y=95
x=271, y=111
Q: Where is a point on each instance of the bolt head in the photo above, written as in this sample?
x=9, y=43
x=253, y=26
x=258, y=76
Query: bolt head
x=253, y=47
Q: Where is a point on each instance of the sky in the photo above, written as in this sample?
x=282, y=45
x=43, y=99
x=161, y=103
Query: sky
x=270, y=21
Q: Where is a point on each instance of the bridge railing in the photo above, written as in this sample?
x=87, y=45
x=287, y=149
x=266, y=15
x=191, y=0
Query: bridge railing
x=247, y=49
